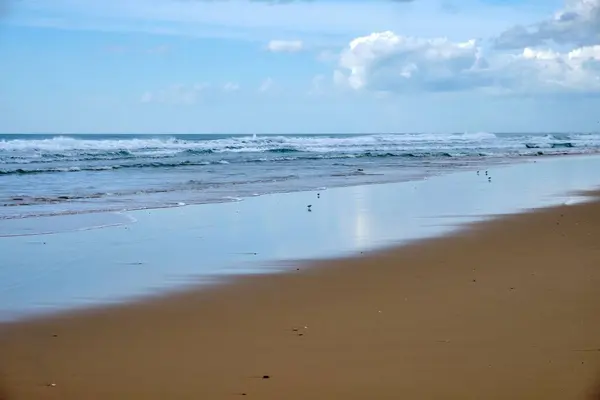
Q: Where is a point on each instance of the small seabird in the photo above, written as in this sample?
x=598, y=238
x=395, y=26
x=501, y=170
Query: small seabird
x=477, y=172
x=309, y=207
x=318, y=195
x=486, y=172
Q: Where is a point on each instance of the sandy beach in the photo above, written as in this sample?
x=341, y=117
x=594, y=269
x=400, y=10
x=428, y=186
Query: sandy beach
x=507, y=309
x=300, y=200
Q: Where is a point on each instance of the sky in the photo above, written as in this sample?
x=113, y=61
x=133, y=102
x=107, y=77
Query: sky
x=299, y=66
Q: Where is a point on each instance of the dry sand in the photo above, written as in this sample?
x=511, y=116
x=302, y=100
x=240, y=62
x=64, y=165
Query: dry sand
x=507, y=310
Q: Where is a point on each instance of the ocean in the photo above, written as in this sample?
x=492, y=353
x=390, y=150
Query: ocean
x=70, y=174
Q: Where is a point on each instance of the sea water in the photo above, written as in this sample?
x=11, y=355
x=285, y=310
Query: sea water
x=69, y=174
x=96, y=219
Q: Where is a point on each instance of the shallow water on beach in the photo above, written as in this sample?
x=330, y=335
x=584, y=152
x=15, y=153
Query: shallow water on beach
x=65, y=262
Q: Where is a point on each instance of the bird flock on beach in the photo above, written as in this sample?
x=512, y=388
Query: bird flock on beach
x=486, y=174
x=309, y=207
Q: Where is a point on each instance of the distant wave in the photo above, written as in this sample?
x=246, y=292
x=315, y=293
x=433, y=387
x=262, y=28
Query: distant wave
x=158, y=164
x=62, y=154
x=90, y=149
x=70, y=147
x=170, y=171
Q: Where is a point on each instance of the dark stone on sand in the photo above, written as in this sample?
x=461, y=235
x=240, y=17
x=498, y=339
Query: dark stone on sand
x=266, y=377
x=474, y=280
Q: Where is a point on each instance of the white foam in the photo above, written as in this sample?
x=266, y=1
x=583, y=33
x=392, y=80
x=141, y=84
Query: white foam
x=168, y=146
x=574, y=200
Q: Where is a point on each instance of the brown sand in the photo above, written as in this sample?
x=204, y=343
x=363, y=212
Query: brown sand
x=508, y=310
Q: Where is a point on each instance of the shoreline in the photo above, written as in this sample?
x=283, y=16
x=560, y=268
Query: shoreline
x=523, y=326
x=493, y=163
x=214, y=242
x=219, y=282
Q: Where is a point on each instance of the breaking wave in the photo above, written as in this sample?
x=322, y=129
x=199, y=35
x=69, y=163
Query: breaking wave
x=67, y=154
x=45, y=174
x=82, y=149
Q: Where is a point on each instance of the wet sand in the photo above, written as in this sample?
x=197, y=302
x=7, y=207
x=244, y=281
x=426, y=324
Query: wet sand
x=508, y=309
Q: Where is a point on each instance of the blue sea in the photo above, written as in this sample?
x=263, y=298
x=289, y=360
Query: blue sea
x=69, y=174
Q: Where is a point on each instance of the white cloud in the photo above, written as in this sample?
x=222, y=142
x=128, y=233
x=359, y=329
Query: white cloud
x=391, y=63
x=288, y=46
x=577, y=24
x=231, y=87
x=266, y=85
x=175, y=94
x=547, y=71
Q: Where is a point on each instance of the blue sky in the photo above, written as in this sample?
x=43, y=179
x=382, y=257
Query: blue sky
x=194, y=66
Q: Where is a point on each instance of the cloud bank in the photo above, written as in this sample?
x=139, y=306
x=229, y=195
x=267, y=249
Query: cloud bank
x=523, y=60
x=577, y=24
